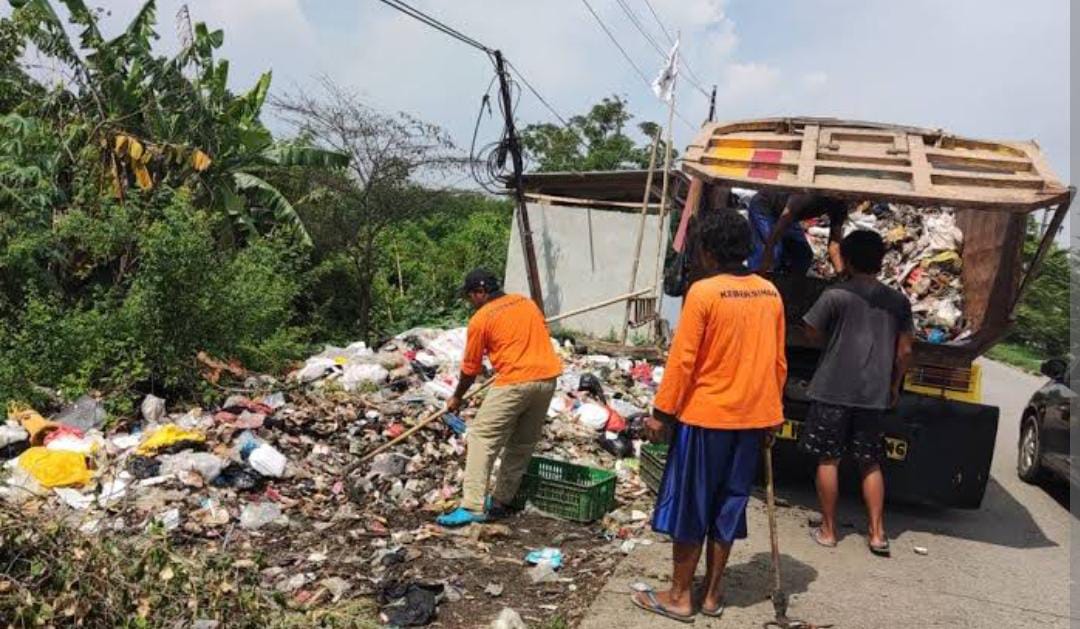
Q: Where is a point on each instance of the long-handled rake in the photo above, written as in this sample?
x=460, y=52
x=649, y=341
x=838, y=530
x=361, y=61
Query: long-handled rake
x=779, y=597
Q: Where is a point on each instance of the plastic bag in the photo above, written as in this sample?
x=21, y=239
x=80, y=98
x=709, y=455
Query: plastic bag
x=448, y=347
x=153, y=408
x=84, y=414
x=267, y=461
x=166, y=436
x=592, y=415
x=207, y=465
x=10, y=434
x=357, y=375
x=55, y=468
x=254, y=516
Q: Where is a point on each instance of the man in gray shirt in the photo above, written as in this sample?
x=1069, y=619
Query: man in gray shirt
x=867, y=332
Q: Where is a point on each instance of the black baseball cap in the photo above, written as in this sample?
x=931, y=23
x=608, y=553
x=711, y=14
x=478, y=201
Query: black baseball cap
x=480, y=279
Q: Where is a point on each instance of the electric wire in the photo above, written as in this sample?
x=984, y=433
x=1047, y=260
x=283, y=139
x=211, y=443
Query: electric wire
x=540, y=98
x=630, y=60
x=436, y=24
x=615, y=41
x=692, y=76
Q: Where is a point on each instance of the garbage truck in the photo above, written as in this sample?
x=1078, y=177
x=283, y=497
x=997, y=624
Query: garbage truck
x=940, y=437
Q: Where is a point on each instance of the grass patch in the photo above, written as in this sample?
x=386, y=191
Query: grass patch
x=1019, y=356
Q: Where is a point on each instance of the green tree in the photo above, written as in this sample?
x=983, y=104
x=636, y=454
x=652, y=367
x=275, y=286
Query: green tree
x=1042, y=318
x=593, y=141
x=390, y=156
x=154, y=120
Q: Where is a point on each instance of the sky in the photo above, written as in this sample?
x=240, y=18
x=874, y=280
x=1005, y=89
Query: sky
x=996, y=69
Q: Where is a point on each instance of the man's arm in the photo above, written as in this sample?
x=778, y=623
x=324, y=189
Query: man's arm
x=465, y=381
x=782, y=223
x=817, y=321
x=472, y=364
x=682, y=357
x=904, y=343
x=836, y=234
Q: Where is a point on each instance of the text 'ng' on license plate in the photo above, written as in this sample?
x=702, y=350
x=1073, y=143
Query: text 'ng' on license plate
x=895, y=448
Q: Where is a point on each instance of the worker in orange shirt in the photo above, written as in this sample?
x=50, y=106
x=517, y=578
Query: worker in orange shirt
x=510, y=330
x=719, y=399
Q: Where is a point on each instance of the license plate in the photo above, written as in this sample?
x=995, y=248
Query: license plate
x=789, y=430
x=896, y=449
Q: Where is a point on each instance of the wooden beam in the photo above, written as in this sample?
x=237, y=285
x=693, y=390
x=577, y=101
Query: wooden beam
x=808, y=153
x=920, y=168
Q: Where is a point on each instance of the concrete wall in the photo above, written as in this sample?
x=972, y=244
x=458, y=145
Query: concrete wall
x=585, y=255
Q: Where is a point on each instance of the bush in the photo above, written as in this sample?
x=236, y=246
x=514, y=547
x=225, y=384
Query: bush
x=187, y=294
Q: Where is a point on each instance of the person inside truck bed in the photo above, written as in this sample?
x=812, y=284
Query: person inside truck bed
x=779, y=242
x=867, y=333
x=720, y=395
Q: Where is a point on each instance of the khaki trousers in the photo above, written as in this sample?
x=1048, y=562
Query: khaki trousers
x=510, y=422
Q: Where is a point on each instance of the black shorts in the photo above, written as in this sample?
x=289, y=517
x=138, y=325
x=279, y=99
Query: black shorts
x=831, y=431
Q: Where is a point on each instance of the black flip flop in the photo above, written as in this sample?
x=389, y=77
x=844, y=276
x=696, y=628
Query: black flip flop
x=881, y=550
x=655, y=607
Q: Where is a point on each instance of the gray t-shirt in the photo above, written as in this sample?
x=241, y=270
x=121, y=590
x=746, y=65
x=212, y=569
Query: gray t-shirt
x=860, y=322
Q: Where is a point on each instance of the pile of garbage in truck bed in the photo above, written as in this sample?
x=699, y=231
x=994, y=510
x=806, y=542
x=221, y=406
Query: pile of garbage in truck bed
x=266, y=474
x=923, y=261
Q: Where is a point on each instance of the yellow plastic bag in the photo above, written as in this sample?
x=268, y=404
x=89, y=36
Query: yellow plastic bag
x=32, y=422
x=166, y=436
x=55, y=468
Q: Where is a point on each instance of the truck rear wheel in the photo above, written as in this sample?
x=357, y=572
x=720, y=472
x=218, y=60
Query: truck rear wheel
x=1029, y=458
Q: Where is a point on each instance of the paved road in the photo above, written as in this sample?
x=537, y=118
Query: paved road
x=1005, y=565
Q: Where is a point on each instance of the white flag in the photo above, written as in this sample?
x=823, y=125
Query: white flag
x=664, y=85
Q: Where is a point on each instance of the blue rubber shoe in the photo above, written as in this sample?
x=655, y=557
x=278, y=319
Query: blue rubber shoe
x=460, y=517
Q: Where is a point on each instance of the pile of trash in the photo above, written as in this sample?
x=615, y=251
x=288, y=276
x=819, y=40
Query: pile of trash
x=271, y=468
x=923, y=261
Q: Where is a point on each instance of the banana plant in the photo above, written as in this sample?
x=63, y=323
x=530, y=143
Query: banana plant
x=158, y=123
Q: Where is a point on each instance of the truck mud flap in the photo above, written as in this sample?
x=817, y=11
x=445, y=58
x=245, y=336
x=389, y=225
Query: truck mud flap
x=939, y=451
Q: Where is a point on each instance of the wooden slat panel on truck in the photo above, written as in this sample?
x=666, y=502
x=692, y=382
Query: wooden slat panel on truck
x=868, y=161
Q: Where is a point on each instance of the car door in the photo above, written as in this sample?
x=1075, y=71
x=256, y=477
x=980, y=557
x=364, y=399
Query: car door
x=1056, y=417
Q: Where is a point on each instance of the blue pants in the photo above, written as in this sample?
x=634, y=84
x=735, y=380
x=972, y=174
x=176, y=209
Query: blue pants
x=706, y=484
x=791, y=254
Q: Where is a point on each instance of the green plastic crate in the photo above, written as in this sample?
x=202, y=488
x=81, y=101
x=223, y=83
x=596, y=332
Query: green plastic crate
x=653, y=460
x=574, y=492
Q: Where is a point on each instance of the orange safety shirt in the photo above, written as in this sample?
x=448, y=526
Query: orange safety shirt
x=511, y=331
x=726, y=367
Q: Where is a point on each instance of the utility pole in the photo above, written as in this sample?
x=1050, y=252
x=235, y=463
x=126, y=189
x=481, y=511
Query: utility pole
x=712, y=105
x=514, y=148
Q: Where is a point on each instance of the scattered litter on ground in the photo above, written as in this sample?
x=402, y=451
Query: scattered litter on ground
x=508, y=619
x=262, y=476
x=921, y=550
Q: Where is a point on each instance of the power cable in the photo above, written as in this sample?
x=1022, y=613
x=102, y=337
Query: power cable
x=615, y=41
x=633, y=19
x=663, y=54
x=671, y=40
x=630, y=60
x=436, y=24
x=535, y=93
x=692, y=76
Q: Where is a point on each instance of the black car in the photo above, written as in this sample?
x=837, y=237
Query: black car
x=1044, y=429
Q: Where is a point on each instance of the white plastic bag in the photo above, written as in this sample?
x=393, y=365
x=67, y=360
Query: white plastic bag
x=359, y=374
x=153, y=408
x=592, y=415
x=266, y=460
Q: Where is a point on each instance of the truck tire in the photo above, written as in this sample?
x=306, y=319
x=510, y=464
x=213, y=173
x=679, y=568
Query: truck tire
x=1029, y=457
